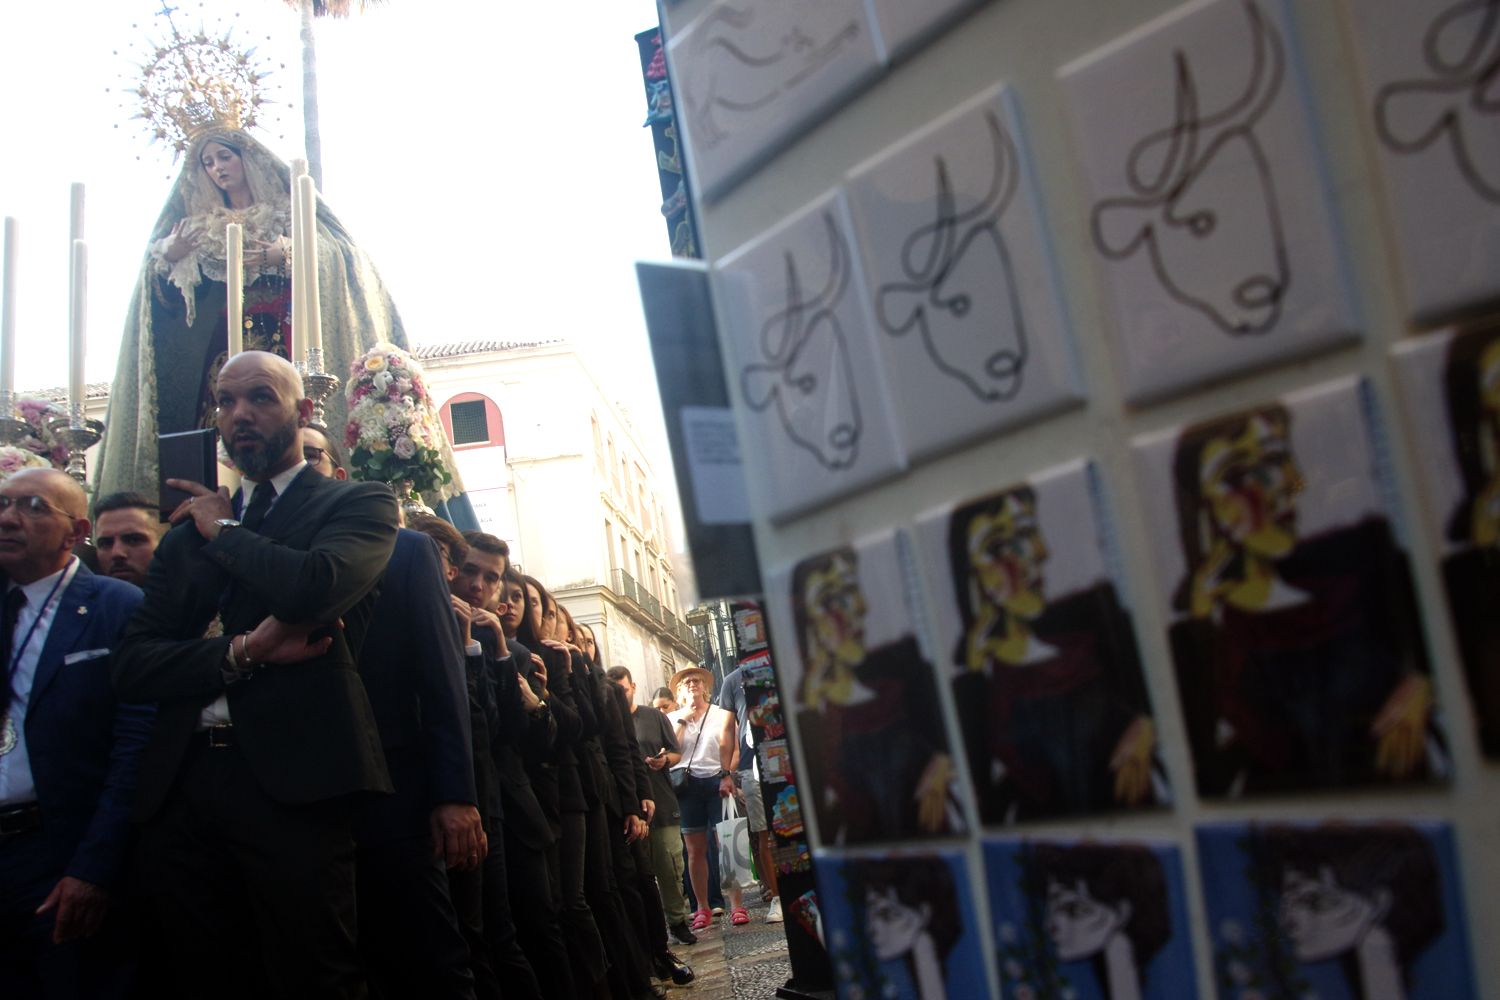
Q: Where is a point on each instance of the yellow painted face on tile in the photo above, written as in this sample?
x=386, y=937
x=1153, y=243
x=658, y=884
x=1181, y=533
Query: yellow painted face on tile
x=836, y=611
x=1489, y=379
x=1250, y=483
x=1006, y=553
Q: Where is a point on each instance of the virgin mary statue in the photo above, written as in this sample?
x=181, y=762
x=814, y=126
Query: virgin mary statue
x=175, y=338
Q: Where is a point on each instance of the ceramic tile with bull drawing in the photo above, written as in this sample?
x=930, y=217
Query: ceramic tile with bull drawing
x=1208, y=207
x=797, y=341
x=969, y=322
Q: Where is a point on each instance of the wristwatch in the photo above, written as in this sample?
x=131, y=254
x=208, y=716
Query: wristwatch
x=225, y=523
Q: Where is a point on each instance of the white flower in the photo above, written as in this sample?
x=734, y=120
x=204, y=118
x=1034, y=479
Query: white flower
x=404, y=447
x=381, y=381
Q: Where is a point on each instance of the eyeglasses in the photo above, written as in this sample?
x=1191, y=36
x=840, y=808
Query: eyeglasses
x=312, y=454
x=31, y=506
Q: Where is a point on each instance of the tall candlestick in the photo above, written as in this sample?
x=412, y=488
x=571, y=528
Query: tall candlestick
x=234, y=272
x=77, y=302
x=8, y=320
x=307, y=264
x=296, y=346
x=75, y=212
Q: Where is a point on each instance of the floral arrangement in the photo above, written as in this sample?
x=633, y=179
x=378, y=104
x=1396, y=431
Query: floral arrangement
x=393, y=434
x=40, y=448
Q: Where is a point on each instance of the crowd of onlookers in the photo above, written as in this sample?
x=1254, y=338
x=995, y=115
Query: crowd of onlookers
x=285, y=746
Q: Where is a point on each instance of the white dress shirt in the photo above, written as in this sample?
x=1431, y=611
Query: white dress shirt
x=217, y=711
x=16, y=784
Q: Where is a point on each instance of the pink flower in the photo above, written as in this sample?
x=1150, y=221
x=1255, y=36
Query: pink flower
x=404, y=448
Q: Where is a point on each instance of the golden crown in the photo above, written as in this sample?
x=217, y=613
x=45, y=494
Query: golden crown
x=192, y=83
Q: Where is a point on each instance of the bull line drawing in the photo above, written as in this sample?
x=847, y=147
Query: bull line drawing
x=818, y=405
x=1461, y=50
x=1192, y=231
x=984, y=349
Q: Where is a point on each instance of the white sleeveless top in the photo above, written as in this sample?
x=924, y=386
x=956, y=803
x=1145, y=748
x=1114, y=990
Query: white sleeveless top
x=703, y=746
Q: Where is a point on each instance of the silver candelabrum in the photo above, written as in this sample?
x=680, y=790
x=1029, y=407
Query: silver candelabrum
x=80, y=434
x=318, y=384
x=12, y=430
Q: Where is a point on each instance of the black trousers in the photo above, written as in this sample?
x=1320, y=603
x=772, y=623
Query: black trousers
x=629, y=971
x=533, y=905
x=466, y=889
x=652, y=922
x=30, y=964
x=408, y=931
x=255, y=896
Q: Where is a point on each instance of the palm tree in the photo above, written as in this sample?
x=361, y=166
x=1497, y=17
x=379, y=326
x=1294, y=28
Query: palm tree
x=309, y=9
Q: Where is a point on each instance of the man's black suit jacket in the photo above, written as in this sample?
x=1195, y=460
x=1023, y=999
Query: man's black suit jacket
x=412, y=666
x=305, y=729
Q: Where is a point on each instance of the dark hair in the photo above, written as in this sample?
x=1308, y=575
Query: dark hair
x=1114, y=874
x=524, y=632
x=124, y=501
x=664, y=692
x=512, y=577
x=1187, y=485
x=619, y=673
x=1466, y=421
x=916, y=881
x=487, y=543
x=441, y=532
x=959, y=564
x=332, y=447
x=1365, y=859
x=800, y=574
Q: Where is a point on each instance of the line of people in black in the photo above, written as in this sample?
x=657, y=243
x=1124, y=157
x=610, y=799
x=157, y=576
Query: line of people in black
x=306, y=752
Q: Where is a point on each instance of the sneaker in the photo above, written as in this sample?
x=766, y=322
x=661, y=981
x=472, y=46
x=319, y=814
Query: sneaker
x=773, y=915
x=682, y=933
x=739, y=916
x=701, y=920
x=718, y=911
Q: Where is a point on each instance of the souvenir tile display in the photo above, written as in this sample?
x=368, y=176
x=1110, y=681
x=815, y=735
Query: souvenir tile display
x=1040, y=651
x=749, y=77
x=1072, y=917
x=1429, y=93
x=1337, y=911
x=798, y=347
x=901, y=927
x=969, y=322
x=1299, y=655
x=902, y=25
x=877, y=764
x=1451, y=386
x=1208, y=208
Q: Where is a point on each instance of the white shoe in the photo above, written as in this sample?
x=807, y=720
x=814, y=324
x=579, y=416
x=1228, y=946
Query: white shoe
x=773, y=915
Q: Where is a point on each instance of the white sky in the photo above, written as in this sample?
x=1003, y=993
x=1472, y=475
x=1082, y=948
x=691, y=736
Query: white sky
x=493, y=165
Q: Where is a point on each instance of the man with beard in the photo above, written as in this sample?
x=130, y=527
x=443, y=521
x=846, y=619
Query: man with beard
x=127, y=528
x=254, y=615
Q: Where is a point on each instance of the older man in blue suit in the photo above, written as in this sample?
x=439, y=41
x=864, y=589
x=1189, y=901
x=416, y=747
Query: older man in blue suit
x=68, y=750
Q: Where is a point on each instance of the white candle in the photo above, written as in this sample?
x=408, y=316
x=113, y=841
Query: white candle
x=8, y=313
x=75, y=334
x=308, y=266
x=295, y=346
x=234, y=271
x=75, y=213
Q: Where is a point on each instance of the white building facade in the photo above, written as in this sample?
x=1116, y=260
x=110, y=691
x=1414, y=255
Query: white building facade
x=555, y=468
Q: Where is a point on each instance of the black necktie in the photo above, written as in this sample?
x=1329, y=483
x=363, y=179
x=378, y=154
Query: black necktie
x=14, y=602
x=260, y=502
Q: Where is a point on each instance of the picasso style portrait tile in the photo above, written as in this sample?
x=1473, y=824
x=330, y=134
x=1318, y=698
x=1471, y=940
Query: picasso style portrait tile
x=1429, y=97
x=1337, y=911
x=969, y=321
x=797, y=342
x=878, y=766
x=1072, y=918
x=1450, y=385
x=750, y=77
x=1208, y=210
x=1299, y=655
x=901, y=927
x=1039, y=648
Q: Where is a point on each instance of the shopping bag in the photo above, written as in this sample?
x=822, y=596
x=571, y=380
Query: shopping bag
x=733, y=832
